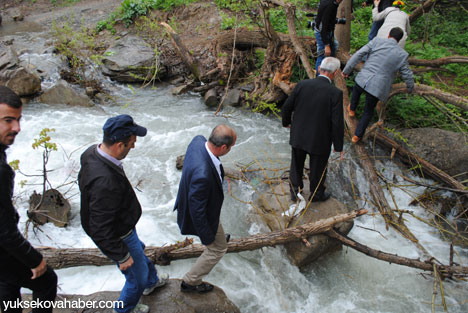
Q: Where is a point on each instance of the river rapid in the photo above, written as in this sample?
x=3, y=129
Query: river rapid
x=257, y=281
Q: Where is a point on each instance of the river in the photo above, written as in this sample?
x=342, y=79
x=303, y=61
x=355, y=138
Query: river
x=257, y=281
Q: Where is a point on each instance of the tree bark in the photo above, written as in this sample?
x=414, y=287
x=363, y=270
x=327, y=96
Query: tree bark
x=62, y=258
x=425, y=7
x=438, y=62
x=443, y=96
x=445, y=270
x=343, y=31
x=192, y=64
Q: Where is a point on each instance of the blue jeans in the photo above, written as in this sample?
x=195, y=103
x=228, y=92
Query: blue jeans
x=371, y=102
x=321, y=48
x=375, y=29
x=139, y=276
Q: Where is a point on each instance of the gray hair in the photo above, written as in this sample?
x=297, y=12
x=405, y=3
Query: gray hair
x=330, y=65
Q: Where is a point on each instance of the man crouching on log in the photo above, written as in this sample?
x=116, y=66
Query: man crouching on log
x=110, y=211
x=316, y=125
x=199, y=202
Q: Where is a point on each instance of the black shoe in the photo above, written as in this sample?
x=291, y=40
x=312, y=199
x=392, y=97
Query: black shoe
x=324, y=196
x=228, y=237
x=293, y=197
x=202, y=288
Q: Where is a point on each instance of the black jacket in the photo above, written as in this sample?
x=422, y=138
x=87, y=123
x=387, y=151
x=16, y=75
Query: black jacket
x=326, y=19
x=318, y=116
x=13, y=246
x=109, y=206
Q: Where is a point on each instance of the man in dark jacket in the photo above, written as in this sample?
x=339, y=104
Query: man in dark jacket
x=20, y=264
x=199, y=202
x=110, y=210
x=316, y=125
x=325, y=30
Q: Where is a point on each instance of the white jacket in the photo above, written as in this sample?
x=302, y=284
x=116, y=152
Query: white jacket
x=393, y=17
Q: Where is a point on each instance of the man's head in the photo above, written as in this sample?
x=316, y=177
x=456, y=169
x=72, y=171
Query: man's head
x=222, y=139
x=120, y=134
x=329, y=66
x=11, y=109
x=396, y=33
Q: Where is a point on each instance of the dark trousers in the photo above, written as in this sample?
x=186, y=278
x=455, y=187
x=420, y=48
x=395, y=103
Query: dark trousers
x=317, y=165
x=371, y=102
x=14, y=275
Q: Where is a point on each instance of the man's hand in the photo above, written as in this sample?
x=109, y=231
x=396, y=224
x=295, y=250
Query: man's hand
x=288, y=126
x=126, y=265
x=376, y=3
x=39, y=270
x=327, y=50
x=344, y=75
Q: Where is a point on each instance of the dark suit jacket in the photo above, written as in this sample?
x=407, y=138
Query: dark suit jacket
x=200, y=194
x=318, y=116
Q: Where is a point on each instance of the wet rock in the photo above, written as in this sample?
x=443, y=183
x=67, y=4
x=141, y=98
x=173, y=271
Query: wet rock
x=180, y=162
x=445, y=149
x=232, y=98
x=21, y=80
x=131, y=60
x=276, y=209
x=61, y=93
x=53, y=208
x=167, y=299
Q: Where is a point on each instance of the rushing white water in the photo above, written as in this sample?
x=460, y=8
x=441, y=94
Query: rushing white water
x=257, y=281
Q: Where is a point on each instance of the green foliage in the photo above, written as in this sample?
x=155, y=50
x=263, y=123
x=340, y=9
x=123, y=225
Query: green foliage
x=44, y=141
x=259, y=58
x=129, y=10
x=406, y=111
x=360, y=27
x=260, y=106
x=14, y=164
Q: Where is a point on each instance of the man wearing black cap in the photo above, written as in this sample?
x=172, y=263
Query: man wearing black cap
x=110, y=211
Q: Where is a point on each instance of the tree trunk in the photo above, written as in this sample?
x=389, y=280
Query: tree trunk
x=438, y=62
x=343, y=31
x=425, y=7
x=62, y=258
x=443, y=96
x=445, y=270
x=191, y=63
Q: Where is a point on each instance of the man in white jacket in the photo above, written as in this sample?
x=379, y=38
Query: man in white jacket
x=393, y=17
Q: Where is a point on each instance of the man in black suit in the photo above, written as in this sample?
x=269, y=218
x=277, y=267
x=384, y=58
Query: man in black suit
x=316, y=124
x=199, y=202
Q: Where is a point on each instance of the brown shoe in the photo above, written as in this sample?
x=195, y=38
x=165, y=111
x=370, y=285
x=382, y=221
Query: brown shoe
x=355, y=139
x=351, y=112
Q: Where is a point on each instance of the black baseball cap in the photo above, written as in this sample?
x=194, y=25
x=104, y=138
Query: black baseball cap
x=122, y=126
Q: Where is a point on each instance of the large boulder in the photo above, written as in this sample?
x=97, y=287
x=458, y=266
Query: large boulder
x=61, y=93
x=21, y=80
x=131, y=60
x=278, y=212
x=445, y=149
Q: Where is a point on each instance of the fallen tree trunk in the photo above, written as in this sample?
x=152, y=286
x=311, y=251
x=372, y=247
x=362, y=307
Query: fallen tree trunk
x=424, y=90
x=192, y=64
x=391, y=219
x=62, y=258
x=425, y=7
x=438, y=62
x=445, y=270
